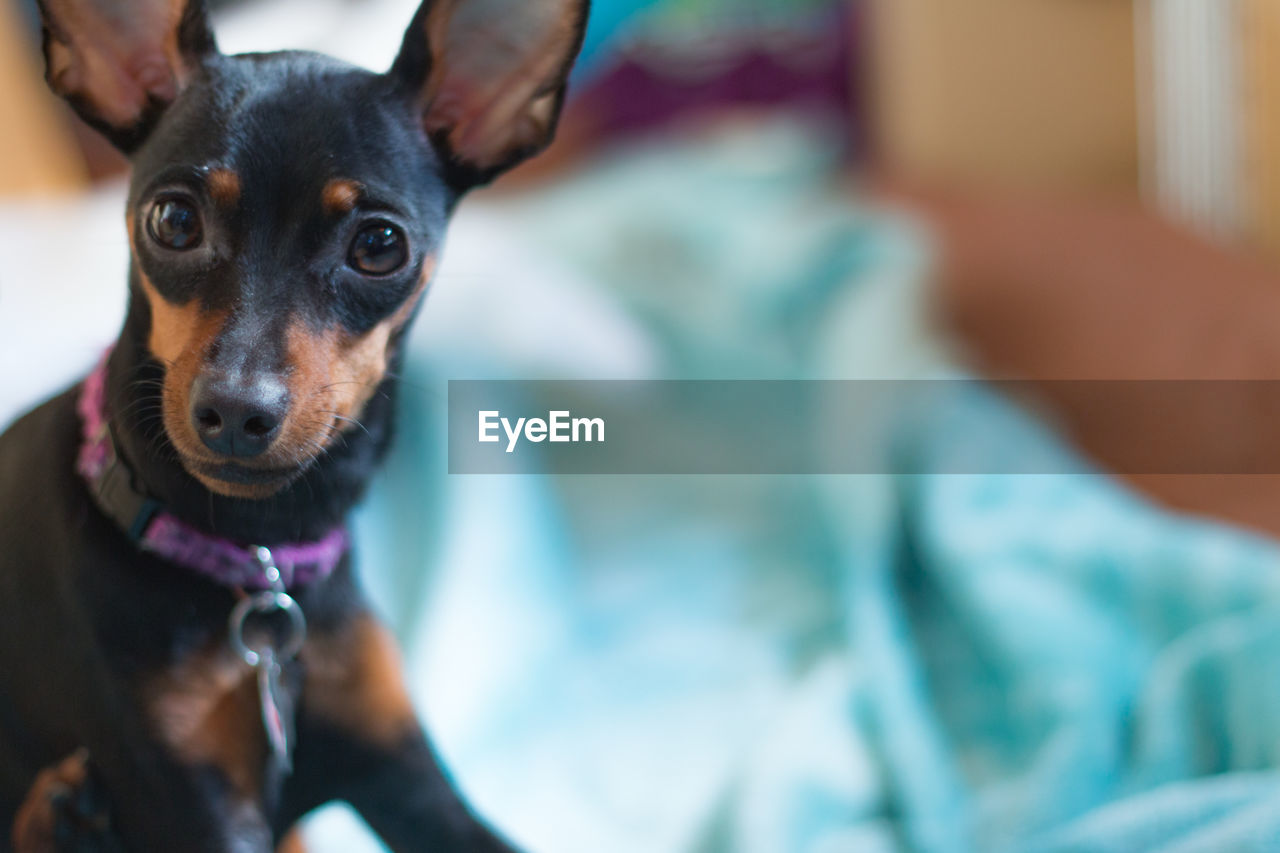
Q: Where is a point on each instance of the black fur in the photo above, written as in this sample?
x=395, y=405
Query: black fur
x=85, y=617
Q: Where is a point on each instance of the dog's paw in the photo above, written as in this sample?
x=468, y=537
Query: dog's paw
x=65, y=812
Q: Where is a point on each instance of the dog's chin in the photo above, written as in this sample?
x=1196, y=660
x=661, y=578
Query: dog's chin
x=232, y=480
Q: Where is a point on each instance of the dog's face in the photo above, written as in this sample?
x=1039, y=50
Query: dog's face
x=286, y=211
x=284, y=219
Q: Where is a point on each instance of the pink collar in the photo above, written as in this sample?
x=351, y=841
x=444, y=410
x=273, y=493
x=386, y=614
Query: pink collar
x=243, y=566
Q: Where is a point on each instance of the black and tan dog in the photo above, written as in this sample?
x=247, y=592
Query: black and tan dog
x=157, y=522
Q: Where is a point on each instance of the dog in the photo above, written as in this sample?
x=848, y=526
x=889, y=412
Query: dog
x=186, y=659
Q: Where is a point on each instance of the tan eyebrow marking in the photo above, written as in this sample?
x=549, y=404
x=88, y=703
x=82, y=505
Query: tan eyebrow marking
x=340, y=195
x=224, y=187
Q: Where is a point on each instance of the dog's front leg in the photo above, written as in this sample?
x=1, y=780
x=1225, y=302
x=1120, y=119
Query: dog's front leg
x=65, y=810
x=359, y=740
x=68, y=810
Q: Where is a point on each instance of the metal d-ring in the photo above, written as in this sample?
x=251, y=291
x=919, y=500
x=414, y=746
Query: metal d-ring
x=261, y=603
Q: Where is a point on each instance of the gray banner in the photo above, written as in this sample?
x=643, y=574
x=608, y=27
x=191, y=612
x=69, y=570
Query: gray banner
x=861, y=427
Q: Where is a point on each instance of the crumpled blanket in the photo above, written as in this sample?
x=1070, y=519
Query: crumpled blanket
x=920, y=661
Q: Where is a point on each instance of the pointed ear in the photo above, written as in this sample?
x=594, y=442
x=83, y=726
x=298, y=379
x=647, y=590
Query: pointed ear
x=119, y=63
x=490, y=77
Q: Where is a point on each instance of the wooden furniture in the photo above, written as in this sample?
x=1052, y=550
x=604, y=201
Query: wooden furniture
x=38, y=152
x=1261, y=102
x=1082, y=290
x=1029, y=93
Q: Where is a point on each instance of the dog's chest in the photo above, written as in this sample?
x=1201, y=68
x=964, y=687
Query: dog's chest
x=208, y=710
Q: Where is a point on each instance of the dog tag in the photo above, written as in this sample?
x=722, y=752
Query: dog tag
x=277, y=711
x=267, y=661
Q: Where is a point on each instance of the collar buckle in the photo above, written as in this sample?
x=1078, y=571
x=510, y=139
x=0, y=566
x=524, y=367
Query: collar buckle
x=121, y=501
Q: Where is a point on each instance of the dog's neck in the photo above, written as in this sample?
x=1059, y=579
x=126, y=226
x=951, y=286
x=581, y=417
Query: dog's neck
x=306, y=510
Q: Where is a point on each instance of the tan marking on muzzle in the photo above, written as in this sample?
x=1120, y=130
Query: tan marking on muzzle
x=180, y=334
x=335, y=374
x=179, y=338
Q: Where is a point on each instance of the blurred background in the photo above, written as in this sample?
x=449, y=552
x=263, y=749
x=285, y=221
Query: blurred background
x=1045, y=190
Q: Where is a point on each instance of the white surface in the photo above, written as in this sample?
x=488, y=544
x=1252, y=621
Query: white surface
x=62, y=292
x=366, y=33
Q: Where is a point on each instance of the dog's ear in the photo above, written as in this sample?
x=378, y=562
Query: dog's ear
x=119, y=63
x=490, y=77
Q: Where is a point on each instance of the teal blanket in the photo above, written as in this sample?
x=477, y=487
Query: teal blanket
x=789, y=664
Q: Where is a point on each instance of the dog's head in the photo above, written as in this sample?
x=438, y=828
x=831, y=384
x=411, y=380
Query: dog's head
x=286, y=210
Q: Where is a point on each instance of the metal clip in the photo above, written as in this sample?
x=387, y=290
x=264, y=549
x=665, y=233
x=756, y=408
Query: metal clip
x=261, y=603
x=274, y=699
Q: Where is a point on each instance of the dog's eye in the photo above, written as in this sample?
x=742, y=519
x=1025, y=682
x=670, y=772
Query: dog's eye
x=379, y=248
x=175, y=224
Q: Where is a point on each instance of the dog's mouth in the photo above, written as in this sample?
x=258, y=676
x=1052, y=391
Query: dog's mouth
x=234, y=472
x=280, y=459
x=304, y=440
x=237, y=480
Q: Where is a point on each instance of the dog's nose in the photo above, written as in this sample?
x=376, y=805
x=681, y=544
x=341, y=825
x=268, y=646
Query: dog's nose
x=238, y=419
